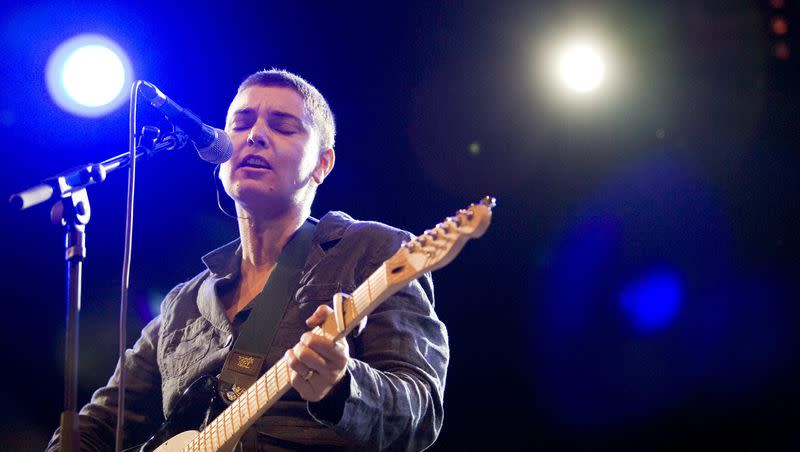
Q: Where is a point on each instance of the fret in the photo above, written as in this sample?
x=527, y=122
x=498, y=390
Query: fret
x=232, y=420
x=251, y=404
x=287, y=377
x=380, y=276
x=275, y=375
x=214, y=437
x=370, y=289
x=373, y=285
x=361, y=299
x=361, y=292
x=226, y=421
x=204, y=440
x=221, y=430
x=238, y=409
x=258, y=382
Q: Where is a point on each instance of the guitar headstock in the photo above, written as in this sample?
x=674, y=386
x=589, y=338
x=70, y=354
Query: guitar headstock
x=436, y=247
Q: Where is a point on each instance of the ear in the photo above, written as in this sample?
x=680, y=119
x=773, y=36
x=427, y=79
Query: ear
x=327, y=157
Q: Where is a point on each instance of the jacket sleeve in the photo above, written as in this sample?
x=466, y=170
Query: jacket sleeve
x=394, y=387
x=143, y=412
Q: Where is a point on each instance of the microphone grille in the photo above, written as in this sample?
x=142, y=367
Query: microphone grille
x=219, y=151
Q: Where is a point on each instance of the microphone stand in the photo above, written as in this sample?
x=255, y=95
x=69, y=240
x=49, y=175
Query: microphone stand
x=73, y=211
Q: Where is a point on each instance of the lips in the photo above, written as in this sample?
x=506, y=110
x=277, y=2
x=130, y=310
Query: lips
x=255, y=161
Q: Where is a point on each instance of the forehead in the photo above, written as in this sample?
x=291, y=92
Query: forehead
x=263, y=99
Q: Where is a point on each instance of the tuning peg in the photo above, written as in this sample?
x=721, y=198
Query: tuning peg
x=489, y=201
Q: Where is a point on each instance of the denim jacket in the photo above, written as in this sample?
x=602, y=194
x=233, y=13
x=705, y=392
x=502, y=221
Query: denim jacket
x=390, y=398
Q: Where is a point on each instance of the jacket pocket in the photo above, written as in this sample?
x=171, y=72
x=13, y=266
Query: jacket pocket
x=181, y=349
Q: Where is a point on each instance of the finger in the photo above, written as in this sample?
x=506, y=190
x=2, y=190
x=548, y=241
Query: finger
x=308, y=384
x=318, y=317
x=295, y=364
x=310, y=358
x=301, y=377
x=333, y=352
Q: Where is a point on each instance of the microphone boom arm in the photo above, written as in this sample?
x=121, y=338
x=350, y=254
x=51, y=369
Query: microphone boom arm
x=75, y=179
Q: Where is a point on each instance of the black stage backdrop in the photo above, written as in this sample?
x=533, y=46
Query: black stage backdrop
x=637, y=289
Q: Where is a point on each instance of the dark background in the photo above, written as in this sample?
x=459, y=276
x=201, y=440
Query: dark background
x=637, y=289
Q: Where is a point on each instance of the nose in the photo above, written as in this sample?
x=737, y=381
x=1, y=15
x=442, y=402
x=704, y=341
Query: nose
x=257, y=135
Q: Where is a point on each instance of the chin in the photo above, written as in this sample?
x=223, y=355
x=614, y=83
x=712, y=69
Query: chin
x=262, y=199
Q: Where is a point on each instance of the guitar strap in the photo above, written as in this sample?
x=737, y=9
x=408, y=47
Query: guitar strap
x=244, y=362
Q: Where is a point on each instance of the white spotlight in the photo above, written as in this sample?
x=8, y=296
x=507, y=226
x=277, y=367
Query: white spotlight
x=581, y=68
x=86, y=75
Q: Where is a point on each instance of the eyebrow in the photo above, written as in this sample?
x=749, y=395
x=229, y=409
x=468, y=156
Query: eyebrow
x=242, y=111
x=286, y=116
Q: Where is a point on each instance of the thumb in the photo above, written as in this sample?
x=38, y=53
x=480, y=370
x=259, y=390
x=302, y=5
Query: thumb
x=319, y=316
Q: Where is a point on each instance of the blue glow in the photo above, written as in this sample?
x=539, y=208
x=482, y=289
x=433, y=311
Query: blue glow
x=653, y=301
x=87, y=75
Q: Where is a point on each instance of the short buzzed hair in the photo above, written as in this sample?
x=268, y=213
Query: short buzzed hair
x=315, y=104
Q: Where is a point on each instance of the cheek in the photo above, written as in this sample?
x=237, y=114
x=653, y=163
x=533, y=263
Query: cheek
x=310, y=160
x=225, y=175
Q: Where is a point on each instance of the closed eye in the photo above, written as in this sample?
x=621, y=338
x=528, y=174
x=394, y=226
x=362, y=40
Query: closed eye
x=240, y=126
x=285, y=123
x=242, y=119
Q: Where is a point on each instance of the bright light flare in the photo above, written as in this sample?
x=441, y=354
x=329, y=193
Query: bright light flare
x=86, y=75
x=581, y=68
x=653, y=301
x=93, y=75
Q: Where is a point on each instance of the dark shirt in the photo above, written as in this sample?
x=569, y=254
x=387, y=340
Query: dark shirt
x=391, y=395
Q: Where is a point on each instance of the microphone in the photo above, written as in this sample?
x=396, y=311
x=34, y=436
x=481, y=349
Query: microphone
x=213, y=145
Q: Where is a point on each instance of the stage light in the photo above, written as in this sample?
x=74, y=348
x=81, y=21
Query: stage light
x=779, y=26
x=581, y=68
x=653, y=301
x=475, y=148
x=88, y=75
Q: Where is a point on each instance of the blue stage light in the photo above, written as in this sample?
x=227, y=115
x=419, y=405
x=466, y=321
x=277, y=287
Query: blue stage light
x=653, y=301
x=88, y=75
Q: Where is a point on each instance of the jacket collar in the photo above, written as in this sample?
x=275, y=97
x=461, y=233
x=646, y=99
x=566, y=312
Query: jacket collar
x=225, y=260
x=224, y=263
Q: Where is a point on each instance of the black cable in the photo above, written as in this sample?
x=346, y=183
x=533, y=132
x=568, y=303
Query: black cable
x=126, y=266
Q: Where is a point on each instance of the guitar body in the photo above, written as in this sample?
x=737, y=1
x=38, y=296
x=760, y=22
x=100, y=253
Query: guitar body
x=198, y=404
x=178, y=442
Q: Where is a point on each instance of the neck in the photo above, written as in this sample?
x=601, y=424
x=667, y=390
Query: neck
x=264, y=236
x=263, y=239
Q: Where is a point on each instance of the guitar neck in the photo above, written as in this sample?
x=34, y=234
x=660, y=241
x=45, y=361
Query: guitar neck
x=228, y=427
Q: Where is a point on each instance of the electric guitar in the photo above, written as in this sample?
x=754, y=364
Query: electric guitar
x=434, y=249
